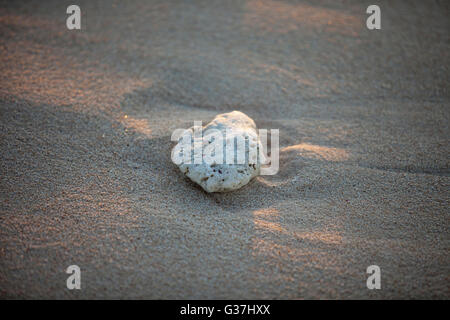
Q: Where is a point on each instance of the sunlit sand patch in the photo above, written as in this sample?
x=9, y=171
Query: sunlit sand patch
x=265, y=212
x=318, y=152
x=262, y=220
x=52, y=80
x=274, y=69
x=302, y=247
x=268, y=226
x=139, y=125
x=272, y=184
x=320, y=236
x=281, y=17
x=271, y=249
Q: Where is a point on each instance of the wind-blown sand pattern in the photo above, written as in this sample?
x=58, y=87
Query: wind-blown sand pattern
x=86, y=176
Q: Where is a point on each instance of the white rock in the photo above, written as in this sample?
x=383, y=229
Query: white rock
x=208, y=144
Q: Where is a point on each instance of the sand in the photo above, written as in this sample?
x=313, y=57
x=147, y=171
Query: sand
x=86, y=177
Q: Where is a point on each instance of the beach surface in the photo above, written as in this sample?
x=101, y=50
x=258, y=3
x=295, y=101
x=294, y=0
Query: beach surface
x=86, y=177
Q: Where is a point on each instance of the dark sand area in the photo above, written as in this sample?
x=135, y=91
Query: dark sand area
x=85, y=172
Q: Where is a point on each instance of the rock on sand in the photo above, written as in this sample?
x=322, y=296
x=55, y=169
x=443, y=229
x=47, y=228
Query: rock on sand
x=222, y=156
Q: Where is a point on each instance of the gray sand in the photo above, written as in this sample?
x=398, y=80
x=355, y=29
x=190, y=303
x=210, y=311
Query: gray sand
x=86, y=178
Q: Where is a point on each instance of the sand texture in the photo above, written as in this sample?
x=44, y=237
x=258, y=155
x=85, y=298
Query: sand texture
x=86, y=177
